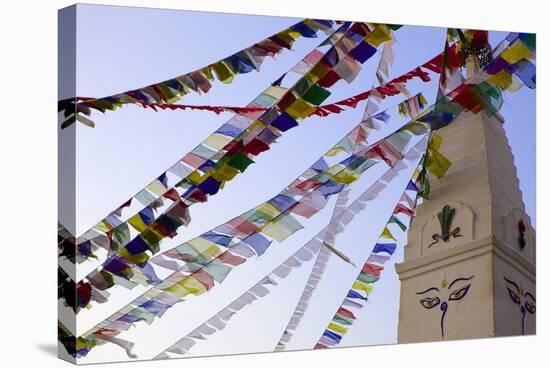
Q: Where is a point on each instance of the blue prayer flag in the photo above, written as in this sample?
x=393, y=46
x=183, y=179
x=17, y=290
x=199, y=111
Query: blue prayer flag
x=258, y=242
x=388, y=248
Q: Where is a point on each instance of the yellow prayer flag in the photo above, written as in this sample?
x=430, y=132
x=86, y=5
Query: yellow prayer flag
x=137, y=223
x=502, y=79
x=437, y=164
x=217, y=141
x=205, y=248
x=177, y=290
x=358, y=285
x=380, y=34
x=103, y=226
x=345, y=176
x=225, y=173
x=300, y=109
x=337, y=328
x=516, y=52
x=134, y=258
x=192, y=285
x=386, y=233
x=435, y=142
x=334, y=151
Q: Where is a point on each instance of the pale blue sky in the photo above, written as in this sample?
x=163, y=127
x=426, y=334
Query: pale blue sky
x=122, y=48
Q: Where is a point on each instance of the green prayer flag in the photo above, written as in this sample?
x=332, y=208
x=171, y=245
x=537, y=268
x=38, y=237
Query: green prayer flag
x=316, y=95
x=217, y=270
x=342, y=320
x=395, y=220
x=368, y=279
x=240, y=161
x=121, y=236
x=530, y=40
x=394, y=27
x=424, y=191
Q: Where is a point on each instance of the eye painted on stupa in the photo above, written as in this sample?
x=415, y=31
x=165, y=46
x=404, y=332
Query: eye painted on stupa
x=455, y=291
x=459, y=293
x=514, y=291
x=513, y=296
x=530, y=303
x=429, y=303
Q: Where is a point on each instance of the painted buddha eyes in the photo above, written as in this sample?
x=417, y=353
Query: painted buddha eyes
x=514, y=291
x=513, y=296
x=457, y=294
x=530, y=307
x=518, y=296
x=429, y=303
x=460, y=293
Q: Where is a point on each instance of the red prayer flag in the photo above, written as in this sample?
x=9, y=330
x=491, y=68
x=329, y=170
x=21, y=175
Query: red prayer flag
x=230, y=259
x=372, y=269
x=172, y=194
x=345, y=312
x=204, y=278
x=400, y=208
x=255, y=147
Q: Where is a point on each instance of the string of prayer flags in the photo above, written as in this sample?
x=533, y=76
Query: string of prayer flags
x=198, y=81
x=251, y=227
x=394, y=87
x=382, y=75
x=196, y=187
x=262, y=288
x=324, y=254
x=228, y=139
x=95, y=238
x=318, y=94
x=199, y=254
x=439, y=168
x=441, y=110
x=363, y=286
x=482, y=92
